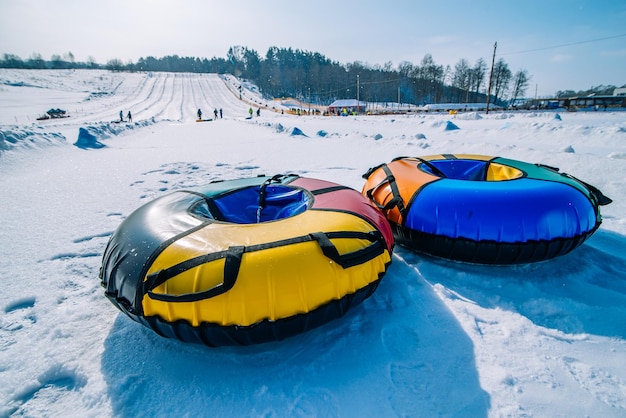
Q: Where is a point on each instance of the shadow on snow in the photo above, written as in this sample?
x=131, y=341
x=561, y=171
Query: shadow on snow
x=401, y=352
x=581, y=292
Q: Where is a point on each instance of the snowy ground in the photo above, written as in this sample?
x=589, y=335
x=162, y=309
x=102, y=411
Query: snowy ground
x=437, y=338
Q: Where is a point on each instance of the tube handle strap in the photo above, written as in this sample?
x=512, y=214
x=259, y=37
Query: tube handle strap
x=232, y=261
x=433, y=168
x=233, y=257
x=354, y=258
x=396, y=200
x=599, y=197
x=596, y=194
x=262, y=192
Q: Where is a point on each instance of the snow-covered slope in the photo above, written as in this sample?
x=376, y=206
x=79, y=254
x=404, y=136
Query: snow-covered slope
x=437, y=338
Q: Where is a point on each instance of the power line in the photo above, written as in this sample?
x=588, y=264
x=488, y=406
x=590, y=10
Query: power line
x=564, y=45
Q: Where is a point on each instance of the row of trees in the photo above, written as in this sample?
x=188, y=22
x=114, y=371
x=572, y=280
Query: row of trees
x=56, y=62
x=310, y=76
x=313, y=77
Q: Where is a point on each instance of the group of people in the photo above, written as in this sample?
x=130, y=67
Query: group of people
x=129, y=117
x=215, y=113
x=219, y=112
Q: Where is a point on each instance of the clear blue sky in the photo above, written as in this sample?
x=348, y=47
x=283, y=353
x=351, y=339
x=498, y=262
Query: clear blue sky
x=562, y=44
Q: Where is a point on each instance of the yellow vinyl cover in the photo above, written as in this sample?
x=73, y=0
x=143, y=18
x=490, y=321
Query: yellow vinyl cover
x=272, y=283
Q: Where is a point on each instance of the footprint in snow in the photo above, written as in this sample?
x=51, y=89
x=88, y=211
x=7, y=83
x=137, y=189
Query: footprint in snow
x=18, y=314
x=397, y=338
x=18, y=304
x=314, y=402
x=176, y=176
x=90, y=237
x=601, y=384
x=50, y=386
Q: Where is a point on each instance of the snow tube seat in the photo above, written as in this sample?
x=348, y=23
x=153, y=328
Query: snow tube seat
x=247, y=261
x=482, y=209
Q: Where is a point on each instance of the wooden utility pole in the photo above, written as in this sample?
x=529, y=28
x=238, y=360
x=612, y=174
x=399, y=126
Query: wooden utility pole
x=493, y=60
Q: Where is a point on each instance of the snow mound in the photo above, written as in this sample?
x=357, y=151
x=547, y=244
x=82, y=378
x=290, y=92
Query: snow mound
x=469, y=116
x=87, y=140
x=422, y=145
x=297, y=132
x=104, y=131
x=451, y=126
x=617, y=155
x=617, y=130
x=12, y=138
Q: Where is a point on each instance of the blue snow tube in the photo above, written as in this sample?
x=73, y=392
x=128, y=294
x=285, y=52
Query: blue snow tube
x=481, y=209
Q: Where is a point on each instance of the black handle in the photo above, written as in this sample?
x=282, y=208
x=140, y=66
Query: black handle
x=396, y=200
x=232, y=263
x=353, y=258
x=595, y=193
x=233, y=257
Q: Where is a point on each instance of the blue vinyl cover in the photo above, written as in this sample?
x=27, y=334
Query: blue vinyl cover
x=503, y=211
x=242, y=205
x=475, y=170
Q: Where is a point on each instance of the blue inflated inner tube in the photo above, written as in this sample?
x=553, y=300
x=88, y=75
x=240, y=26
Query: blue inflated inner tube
x=511, y=211
x=473, y=170
x=261, y=204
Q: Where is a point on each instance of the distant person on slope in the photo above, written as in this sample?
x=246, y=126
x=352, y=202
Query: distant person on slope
x=215, y=113
x=129, y=117
x=250, y=111
x=199, y=114
x=121, y=116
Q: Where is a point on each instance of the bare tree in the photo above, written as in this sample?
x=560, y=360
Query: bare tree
x=501, y=79
x=69, y=57
x=520, y=84
x=406, y=69
x=91, y=62
x=477, y=75
x=36, y=61
x=461, y=78
x=115, y=64
x=432, y=78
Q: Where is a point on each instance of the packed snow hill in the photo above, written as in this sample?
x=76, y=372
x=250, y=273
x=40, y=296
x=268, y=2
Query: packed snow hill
x=436, y=338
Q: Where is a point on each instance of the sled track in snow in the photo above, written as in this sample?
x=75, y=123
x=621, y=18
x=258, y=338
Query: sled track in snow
x=159, y=99
x=140, y=96
x=176, y=97
x=148, y=101
x=155, y=96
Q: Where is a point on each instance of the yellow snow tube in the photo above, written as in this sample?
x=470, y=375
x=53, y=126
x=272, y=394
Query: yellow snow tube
x=281, y=271
x=215, y=266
